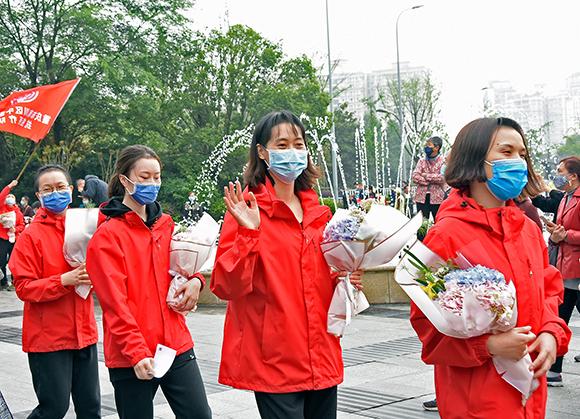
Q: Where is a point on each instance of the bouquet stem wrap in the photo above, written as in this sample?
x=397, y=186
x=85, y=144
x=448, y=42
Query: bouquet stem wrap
x=346, y=302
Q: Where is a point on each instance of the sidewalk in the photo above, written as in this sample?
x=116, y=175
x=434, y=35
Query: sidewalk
x=384, y=376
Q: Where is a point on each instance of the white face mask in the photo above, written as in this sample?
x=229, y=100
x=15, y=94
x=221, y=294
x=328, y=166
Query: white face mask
x=10, y=201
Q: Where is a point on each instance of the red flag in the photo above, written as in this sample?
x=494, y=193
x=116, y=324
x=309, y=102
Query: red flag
x=31, y=113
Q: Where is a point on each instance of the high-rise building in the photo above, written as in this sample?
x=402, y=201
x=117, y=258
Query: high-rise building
x=355, y=89
x=533, y=110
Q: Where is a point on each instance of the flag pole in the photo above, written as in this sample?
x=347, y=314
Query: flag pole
x=28, y=161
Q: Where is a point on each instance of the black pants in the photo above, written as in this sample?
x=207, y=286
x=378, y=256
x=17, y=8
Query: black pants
x=571, y=300
x=315, y=404
x=57, y=375
x=427, y=208
x=5, y=250
x=182, y=386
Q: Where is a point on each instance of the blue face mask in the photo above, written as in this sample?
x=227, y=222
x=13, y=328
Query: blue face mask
x=56, y=202
x=560, y=181
x=287, y=165
x=144, y=193
x=509, y=178
x=428, y=151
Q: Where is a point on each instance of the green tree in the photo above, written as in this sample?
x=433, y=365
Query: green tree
x=571, y=146
x=420, y=99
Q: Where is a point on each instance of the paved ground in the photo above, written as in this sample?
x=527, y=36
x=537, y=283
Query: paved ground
x=384, y=376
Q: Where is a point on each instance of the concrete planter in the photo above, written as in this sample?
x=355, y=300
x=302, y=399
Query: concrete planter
x=380, y=287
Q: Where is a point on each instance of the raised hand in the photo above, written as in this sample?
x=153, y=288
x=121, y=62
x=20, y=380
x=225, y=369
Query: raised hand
x=13, y=184
x=246, y=216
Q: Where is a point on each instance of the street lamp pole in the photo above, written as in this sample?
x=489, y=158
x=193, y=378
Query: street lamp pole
x=401, y=120
x=333, y=130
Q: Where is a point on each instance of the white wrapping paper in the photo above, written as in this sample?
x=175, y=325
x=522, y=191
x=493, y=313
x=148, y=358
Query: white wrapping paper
x=80, y=225
x=8, y=220
x=190, y=249
x=381, y=236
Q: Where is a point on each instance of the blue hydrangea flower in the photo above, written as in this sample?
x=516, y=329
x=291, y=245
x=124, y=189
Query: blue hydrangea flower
x=475, y=276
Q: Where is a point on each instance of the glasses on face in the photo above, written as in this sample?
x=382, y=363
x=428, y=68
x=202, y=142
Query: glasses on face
x=46, y=190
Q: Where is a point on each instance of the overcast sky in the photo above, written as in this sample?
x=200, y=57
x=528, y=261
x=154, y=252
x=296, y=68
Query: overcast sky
x=465, y=44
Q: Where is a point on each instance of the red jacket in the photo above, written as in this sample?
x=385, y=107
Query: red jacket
x=569, y=250
x=279, y=289
x=55, y=317
x=129, y=266
x=5, y=208
x=466, y=382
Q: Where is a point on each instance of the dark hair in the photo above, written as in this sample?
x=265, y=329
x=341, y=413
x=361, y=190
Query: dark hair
x=126, y=160
x=437, y=141
x=50, y=168
x=572, y=165
x=256, y=169
x=25, y=197
x=467, y=157
x=35, y=205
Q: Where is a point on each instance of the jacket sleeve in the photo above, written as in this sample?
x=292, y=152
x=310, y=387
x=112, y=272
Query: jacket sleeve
x=436, y=178
x=418, y=175
x=236, y=259
x=3, y=194
x=437, y=347
x=26, y=267
x=107, y=270
x=573, y=236
x=548, y=203
x=201, y=278
x=553, y=297
x=19, y=222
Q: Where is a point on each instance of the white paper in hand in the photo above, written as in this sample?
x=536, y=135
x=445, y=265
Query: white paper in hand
x=163, y=360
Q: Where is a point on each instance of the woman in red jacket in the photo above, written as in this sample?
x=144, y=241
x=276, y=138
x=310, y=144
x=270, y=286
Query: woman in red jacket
x=270, y=268
x=566, y=236
x=8, y=235
x=128, y=259
x=59, y=331
x=489, y=166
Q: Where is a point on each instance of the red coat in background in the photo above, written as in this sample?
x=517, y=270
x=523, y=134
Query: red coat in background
x=466, y=382
x=279, y=289
x=429, y=179
x=128, y=263
x=55, y=317
x=4, y=209
x=569, y=250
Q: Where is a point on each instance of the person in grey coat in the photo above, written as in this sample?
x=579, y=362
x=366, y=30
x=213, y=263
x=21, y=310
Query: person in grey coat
x=95, y=189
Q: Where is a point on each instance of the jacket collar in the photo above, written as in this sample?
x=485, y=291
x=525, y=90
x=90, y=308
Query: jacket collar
x=574, y=201
x=276, y=208
x=504, y=221
x=43, y=216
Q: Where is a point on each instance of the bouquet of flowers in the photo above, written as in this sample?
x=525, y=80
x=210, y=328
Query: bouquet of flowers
x=8, y=220
x=355, y=239
x=463, y=301
x=79, y=227
x=191, y=247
